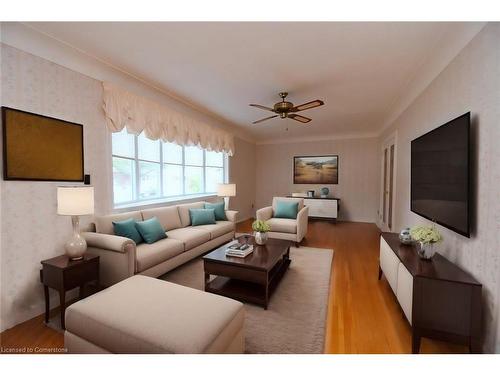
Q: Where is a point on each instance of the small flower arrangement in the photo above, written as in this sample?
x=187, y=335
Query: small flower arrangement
x=261, y=226
x=425, y=234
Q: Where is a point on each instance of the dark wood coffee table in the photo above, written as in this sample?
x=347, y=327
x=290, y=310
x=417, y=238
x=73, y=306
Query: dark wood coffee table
x=250, y=279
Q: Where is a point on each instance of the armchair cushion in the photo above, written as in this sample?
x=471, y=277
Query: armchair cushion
x=283, y=225
x=286, y=210
x=127, y=228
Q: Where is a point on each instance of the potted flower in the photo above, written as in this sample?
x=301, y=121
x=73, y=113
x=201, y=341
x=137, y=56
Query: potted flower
x=260, y=228
x=427, y=237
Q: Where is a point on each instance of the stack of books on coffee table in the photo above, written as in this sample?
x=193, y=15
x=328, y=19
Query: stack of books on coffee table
x=239, y=250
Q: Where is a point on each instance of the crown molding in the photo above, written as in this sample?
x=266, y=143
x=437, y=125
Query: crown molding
x=330, y=137
x=446, y=48
x=29, y=39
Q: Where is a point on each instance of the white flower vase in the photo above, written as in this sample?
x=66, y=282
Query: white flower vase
x=261, y=238
x=426, y=250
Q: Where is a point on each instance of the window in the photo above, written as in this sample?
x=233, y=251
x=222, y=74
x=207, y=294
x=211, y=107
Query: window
x=149, y=170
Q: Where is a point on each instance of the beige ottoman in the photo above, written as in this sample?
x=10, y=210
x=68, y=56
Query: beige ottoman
x=146, y=315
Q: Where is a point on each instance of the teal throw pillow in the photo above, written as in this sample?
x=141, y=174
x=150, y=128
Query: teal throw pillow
x=151, y=230
x=286, y=209
x=220, y=213
x=202, y=216
x=126, y=228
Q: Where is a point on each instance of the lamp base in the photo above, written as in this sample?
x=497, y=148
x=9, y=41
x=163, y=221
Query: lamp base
x=76, y=246
x=226, y=203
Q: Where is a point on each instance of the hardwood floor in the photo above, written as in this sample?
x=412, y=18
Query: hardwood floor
x=363, y=315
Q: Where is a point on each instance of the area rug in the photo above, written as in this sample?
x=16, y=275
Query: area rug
x=296, y=316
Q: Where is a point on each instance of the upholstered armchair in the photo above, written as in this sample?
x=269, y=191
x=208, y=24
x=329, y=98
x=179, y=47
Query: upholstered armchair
x=286, y=229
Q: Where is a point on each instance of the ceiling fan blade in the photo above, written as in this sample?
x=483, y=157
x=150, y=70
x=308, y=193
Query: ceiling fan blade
x=299, y=118
x=264, y=119
x=308, y=105
x=261, y=107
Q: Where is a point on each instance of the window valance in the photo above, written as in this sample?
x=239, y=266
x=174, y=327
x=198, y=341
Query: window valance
x=137, y=114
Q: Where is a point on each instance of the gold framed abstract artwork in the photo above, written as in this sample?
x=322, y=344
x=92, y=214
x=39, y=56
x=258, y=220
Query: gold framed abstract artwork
x=316, y=169
x=41, y=148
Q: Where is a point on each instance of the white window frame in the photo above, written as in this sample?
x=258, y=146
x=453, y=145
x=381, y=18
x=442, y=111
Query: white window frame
x=163, y=198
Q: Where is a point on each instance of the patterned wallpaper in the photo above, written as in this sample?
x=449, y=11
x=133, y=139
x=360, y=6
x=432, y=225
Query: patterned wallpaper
x=31, y=229
x=470, y=83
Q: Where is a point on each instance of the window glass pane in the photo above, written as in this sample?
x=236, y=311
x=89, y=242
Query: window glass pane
x=193, y=180
x=123, y=180
x=214, y=159
x=215, y=176
x=149, y=180
x=193, y=155
x=172, y=153
x=123, y=144
x=172, y=180
x=148, y=149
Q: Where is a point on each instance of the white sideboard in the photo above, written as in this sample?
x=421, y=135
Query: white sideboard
x=322, y=207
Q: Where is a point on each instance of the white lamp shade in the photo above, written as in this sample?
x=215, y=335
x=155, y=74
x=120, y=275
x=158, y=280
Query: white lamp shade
x=75, y=200
x=226, y=190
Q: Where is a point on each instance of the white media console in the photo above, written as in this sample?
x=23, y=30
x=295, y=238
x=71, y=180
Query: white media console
x=324, y=208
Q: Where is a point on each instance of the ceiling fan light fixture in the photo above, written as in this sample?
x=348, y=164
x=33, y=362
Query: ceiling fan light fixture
x=284, y=108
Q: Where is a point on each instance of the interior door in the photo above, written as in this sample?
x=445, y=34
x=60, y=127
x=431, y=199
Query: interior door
x=386, y=212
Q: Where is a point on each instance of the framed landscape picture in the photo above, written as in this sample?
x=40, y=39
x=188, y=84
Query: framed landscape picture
x=316, y=169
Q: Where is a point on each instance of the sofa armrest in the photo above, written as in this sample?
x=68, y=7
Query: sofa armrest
x=265, y=213
x=107, y=241
x=302, y=222
x=232, y=215
x=117, y=256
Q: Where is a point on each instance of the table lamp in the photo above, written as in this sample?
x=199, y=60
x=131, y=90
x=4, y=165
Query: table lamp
x=74, y=202
x=226, y=191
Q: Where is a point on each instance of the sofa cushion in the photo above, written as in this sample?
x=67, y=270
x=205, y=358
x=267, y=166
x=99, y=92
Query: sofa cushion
x=149, y=255
x=191, y=237
x=218, y=229
x=283, y=225
x=219, y=210
x=127, y=228
x=168, y=216
x=151, y=230
x=184, y=212
x=145, y=315
x=201, y=216
x=104, y=224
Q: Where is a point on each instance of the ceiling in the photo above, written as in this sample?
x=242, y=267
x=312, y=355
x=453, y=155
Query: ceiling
x=362, y=71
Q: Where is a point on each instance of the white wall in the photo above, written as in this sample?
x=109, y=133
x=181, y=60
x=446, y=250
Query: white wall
x=31, y=229
x=358, y=174
x=470, y=83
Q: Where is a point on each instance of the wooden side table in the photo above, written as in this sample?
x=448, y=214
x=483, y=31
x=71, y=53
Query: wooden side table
x=63, y=274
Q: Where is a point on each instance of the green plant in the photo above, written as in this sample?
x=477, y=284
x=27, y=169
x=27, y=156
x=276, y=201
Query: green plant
x=260, y=226
x=422, y=233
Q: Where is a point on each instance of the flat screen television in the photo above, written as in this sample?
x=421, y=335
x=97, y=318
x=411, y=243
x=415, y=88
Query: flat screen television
x=41, y=148
x=440, y=175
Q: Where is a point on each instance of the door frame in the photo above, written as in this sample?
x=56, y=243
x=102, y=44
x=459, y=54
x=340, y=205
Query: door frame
x=391, y=139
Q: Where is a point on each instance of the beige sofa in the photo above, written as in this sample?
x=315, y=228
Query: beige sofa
x=145, y=315
x=120, y=258
x=286, y=229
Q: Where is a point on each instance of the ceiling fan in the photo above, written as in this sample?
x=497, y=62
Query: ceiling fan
x=285, y=109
